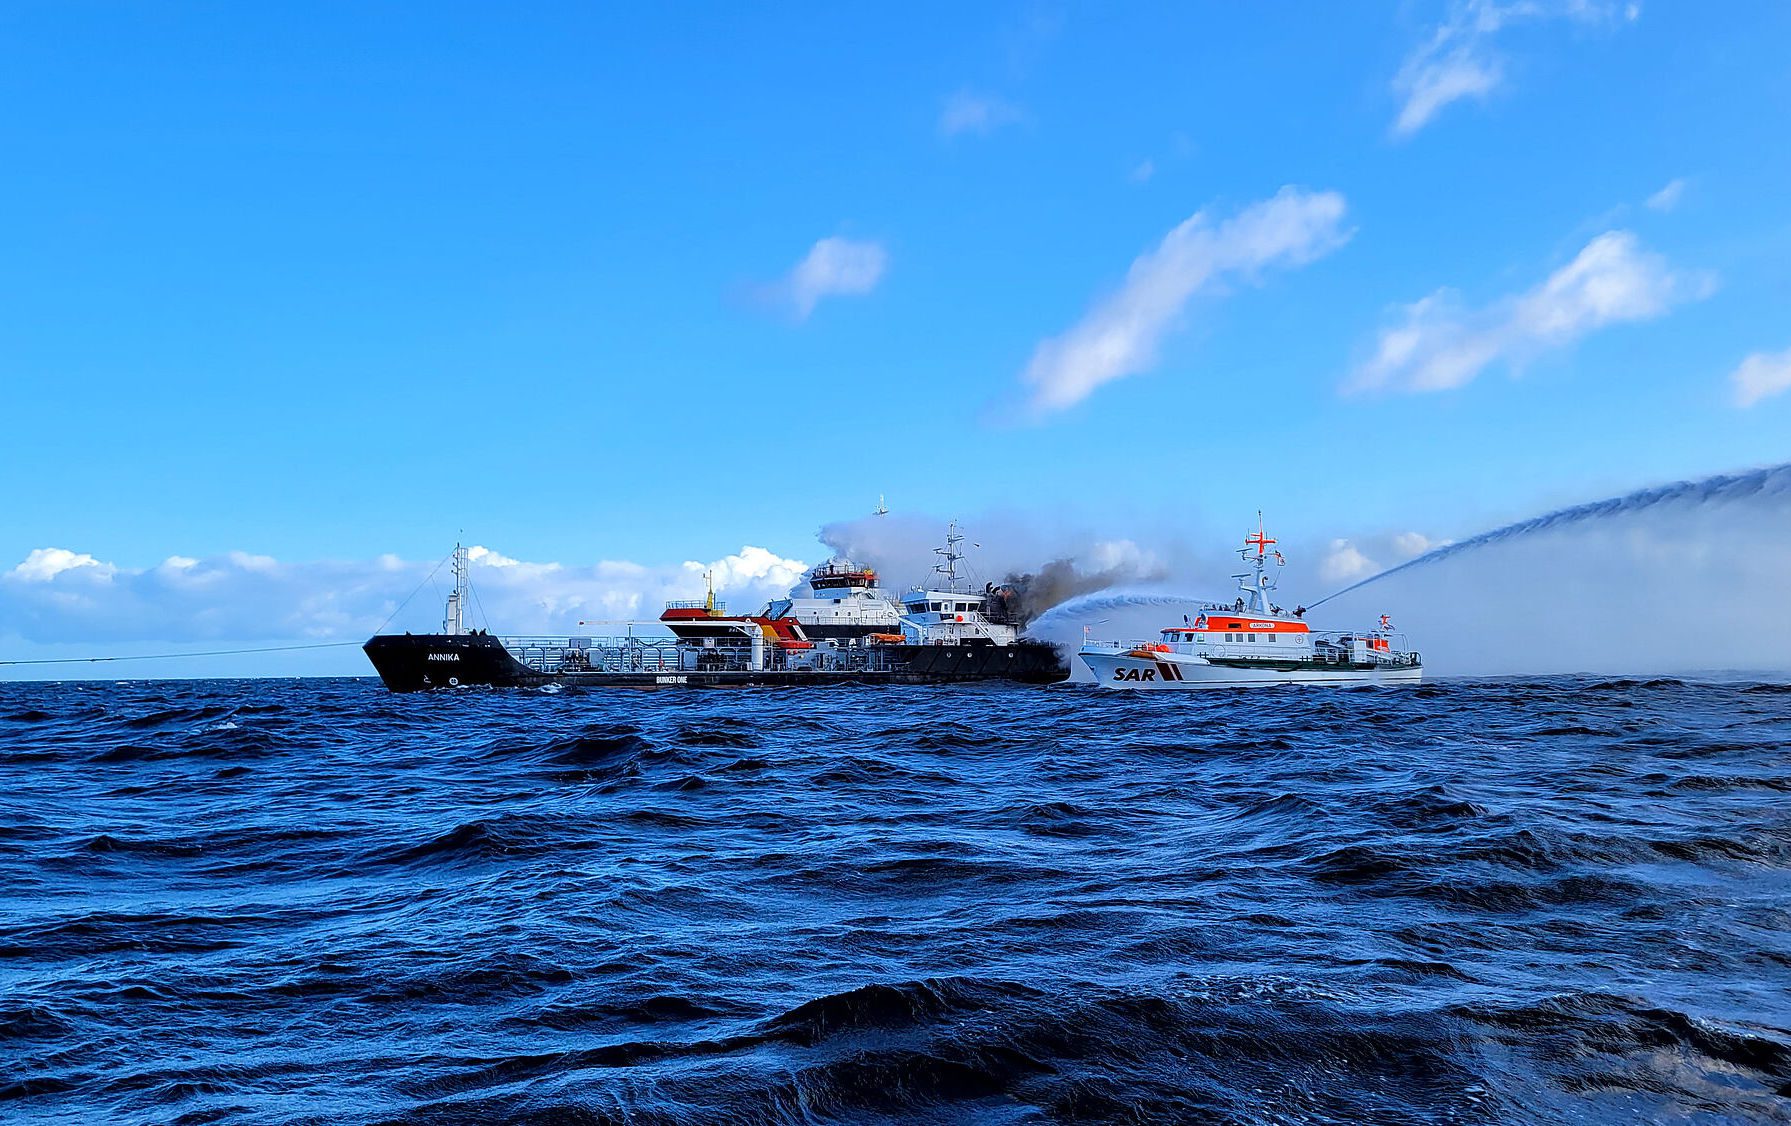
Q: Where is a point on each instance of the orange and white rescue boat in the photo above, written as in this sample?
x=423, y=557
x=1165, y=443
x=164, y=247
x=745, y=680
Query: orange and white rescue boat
x=1253, y=642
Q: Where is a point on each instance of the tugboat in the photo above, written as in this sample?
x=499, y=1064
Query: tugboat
x=1252, y=642
x=849, y=631
x=948, y=626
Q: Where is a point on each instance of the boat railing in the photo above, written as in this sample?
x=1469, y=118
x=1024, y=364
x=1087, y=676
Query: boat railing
x=596, y=654
x=1000, y=615
x=1328, y=652
x=555, y=655
x=697, y=604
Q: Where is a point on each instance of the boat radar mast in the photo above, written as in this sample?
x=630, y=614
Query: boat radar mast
x=949, y=555
x=1255, y=583
x=454, y=620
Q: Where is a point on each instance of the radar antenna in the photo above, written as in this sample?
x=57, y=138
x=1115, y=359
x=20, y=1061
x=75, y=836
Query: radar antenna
x=881, y=509
x=949, y=555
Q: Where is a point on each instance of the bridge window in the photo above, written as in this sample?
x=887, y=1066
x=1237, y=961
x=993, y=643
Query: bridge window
x=1252, y=637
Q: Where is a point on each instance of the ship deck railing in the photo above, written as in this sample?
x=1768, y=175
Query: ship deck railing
x=562, y=655
x=595, y=654
x=1328, y=649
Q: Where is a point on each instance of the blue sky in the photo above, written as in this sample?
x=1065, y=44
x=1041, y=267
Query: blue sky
x=333, y=282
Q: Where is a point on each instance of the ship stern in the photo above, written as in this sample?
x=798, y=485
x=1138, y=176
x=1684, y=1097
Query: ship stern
x=417, y=662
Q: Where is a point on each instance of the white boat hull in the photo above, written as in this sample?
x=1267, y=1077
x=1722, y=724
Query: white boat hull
x=1175, y=672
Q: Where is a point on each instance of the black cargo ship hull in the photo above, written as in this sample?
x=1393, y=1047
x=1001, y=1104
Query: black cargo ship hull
x=416, y=662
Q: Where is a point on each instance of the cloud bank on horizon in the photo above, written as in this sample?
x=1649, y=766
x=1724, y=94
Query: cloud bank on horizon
x=56, y=596
x=1121, y=334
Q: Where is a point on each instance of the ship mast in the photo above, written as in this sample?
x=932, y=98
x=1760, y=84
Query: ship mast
x=454, y=621
x=949, y=556
x=1256, y=583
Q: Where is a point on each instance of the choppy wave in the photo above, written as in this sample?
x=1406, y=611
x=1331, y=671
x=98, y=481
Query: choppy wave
x=1541, y=900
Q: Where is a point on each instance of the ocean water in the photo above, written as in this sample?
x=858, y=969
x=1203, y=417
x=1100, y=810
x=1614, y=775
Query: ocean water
x=1561, y=900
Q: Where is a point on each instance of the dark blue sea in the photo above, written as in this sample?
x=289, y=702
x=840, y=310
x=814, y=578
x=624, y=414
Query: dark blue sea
x=1553, y=901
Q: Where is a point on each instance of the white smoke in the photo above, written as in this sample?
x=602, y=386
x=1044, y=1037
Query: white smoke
x=1691, y=577
x=1688, y=577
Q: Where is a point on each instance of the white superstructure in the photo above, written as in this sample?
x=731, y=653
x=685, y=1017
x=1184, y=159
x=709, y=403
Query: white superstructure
x=842, y=601
x=946, y=614
x=1253, y=642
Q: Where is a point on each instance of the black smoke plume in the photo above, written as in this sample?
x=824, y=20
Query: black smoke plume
x=1023, y=597
x=902, y=548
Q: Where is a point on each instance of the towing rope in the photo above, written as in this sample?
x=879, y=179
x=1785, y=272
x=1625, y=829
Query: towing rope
x=166, y=656
x=230, y=652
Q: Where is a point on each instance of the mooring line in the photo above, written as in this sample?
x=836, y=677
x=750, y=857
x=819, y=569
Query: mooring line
x=227, y=652
x=166, y=656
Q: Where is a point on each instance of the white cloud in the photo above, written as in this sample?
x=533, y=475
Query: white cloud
x=1668, y=197
x=57, y=596
x=263, y=563
x=479, y=553
x=1761, y=376
x=752, y=568
x=969, y=112
x=1410, y=545
x=45, y=563
x=1344, y=562
x=1143, y=171
x=1460, y=59
x=1118, y=556
x=1434, y=82
x=834, y=266
x=1438, y=344
x=1119, y=336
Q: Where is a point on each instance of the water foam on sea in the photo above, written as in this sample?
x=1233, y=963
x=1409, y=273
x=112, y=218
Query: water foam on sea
x=1548, y=900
